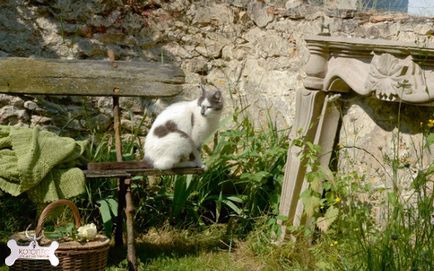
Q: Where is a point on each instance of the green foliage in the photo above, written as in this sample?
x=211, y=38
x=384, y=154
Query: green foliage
x=59, y=232
x=340, y=212
x=15, y=218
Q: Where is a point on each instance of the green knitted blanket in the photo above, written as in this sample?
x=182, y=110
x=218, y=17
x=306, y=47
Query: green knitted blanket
x=40, y=163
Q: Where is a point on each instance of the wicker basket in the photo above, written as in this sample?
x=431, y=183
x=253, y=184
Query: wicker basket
x=73, y=255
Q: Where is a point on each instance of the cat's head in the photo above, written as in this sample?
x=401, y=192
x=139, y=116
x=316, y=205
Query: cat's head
x=210, y=101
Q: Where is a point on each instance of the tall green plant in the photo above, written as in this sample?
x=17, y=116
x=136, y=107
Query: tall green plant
x=243, y=180
x=404, y=238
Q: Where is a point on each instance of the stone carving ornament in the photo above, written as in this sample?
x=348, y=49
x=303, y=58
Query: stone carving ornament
x=392, y=79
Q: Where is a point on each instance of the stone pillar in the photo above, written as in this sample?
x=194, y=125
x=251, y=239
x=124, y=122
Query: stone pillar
x=316, y=67
x=308, y=112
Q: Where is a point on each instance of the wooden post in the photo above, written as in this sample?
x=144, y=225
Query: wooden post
x=124, y=194
x=122, y=189
x=129, y=212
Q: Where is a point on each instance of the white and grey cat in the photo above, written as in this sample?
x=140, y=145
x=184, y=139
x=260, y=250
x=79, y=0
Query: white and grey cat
x=178, y=132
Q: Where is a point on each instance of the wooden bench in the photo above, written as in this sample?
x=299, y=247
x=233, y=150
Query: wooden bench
x=100, y=78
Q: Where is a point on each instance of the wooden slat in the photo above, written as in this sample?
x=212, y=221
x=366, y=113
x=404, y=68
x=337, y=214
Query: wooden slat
x=137, y=171
x=89, y=77
x=106, y=174
x=119, y=165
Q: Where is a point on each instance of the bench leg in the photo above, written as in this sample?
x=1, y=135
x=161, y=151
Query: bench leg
x=129, y=213
x=119, y=242
x=125, y=198
x=126, y=203
x=122, y=187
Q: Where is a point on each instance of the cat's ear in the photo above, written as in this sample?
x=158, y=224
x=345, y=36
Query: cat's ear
x=217, y=95
x=202, y=89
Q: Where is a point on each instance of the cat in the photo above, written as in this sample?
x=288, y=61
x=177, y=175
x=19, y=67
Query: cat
x=176, y=135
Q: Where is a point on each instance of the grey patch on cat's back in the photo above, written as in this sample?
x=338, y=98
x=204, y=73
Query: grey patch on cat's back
x=169, y=127
x=163, y=130
x=192, y=119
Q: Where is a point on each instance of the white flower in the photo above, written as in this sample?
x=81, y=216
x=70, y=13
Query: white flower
x=87, y=232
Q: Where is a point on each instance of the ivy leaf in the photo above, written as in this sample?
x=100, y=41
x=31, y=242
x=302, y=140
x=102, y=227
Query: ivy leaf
x=257, y=177
x=311, y=204
x=329, y=217
x=327, y=174
x=316, y=184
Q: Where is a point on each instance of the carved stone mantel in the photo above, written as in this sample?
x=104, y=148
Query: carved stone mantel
x=392, y=71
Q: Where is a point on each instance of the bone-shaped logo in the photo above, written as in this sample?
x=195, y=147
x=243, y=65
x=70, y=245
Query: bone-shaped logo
x=32, y=251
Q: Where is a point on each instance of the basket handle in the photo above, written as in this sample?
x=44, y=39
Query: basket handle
x=53, y=205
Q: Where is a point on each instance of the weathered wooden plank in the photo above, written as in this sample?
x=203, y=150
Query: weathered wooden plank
x=89, y=77
x=119, y=165
x=136, y=166
x=106, y=174
x=128, y=172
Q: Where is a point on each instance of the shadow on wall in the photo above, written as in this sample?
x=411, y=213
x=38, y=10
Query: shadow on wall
x=389, y=115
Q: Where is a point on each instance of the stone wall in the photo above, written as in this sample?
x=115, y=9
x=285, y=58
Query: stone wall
x=253, y=50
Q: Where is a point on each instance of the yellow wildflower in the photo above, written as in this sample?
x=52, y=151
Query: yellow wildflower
x=430, y=123
x=338, y=199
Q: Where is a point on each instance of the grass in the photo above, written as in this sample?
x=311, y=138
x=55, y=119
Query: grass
x=169, y=248
x=206, y=261
x=212, y=249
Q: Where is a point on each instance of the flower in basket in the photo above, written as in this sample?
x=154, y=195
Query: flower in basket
x=87, y=232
